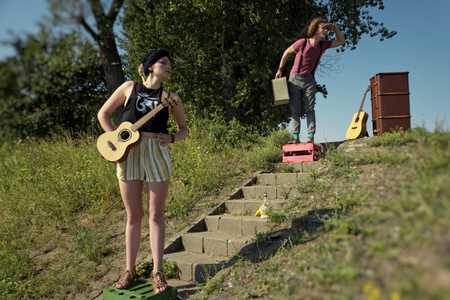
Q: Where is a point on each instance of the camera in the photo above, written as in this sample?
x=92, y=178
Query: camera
x=321, y=88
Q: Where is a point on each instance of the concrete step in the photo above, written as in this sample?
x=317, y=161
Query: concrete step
x=194, y=266
x=301, y=167
x=279, y=192
x=184, y=288
x=214, y=243
x=291, y=179
x=238, y=225
x=249, y=207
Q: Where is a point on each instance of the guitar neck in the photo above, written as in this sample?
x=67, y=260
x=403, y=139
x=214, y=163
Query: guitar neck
x=363, y=99
x=139, y=123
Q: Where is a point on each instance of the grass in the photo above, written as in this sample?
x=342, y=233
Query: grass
x=47, y=188
x=92, y=244
x=62, y=216
x=378, y=228
x=378, y=219
x=266, y=151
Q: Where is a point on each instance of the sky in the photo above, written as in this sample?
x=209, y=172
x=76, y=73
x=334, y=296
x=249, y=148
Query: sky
x=421, y=47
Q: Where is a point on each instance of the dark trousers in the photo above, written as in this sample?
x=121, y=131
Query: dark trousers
x=302, y=93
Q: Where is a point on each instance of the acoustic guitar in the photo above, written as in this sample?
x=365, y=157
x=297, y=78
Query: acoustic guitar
x=358, y=125
x=113, y=145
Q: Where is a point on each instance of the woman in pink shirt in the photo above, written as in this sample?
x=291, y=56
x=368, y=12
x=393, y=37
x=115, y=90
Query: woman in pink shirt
x=302, y=84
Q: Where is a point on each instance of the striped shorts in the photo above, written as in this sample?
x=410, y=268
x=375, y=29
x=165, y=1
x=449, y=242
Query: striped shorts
x=147, y=160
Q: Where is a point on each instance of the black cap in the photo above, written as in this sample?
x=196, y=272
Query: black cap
x=153, y=56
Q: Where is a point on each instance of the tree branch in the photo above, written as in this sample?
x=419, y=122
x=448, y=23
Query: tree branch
x=97, y=10
x=88, y=28
x=114, y=9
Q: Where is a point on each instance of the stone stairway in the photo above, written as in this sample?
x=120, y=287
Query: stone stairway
x=210, y=243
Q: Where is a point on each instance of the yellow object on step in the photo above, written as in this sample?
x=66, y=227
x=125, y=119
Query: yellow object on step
x=263, y=210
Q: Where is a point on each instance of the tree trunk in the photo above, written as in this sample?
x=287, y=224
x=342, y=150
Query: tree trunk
x=104, y=36
x=111, y=61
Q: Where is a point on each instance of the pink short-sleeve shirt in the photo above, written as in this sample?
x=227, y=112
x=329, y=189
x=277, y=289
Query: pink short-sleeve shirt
x=311, y=55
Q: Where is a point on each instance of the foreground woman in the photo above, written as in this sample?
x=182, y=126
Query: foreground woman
x=147, y=162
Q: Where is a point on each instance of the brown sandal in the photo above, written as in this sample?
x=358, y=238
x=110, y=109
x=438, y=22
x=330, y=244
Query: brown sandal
x=126, y=280
x=159, y=281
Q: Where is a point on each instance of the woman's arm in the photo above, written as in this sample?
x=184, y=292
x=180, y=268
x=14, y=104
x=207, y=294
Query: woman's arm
x=180, y=118
x=339, y=36
x=114, y=101
x=288, y=52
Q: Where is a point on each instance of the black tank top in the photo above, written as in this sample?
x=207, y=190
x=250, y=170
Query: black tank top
x=141, y=101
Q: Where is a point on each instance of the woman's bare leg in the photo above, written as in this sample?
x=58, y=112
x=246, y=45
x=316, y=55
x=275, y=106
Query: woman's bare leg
x=157, y=199
x=131, y=192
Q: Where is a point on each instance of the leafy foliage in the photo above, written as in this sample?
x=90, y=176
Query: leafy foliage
x=224, y=56
x=54, y=83
x=225, y=52
x=98, y=22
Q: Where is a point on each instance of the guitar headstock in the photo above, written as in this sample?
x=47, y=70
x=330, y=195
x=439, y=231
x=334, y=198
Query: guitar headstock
x=169, y=101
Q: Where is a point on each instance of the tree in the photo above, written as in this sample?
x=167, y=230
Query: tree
x=52, y=84
x=81, y=12
x=226, y=52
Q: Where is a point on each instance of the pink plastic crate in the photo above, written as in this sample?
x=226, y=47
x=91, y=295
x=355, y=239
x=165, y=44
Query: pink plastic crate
x=293, y=153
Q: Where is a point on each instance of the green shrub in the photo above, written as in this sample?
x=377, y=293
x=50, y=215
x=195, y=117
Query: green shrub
x=267, y=151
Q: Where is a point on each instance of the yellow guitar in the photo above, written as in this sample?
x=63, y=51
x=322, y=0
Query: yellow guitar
x=358, y=127
x=113, y=145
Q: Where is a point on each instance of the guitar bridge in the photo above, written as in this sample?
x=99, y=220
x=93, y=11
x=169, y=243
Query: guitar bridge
x=111, y=145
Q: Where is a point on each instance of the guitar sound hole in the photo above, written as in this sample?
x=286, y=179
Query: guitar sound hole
x=125, y=135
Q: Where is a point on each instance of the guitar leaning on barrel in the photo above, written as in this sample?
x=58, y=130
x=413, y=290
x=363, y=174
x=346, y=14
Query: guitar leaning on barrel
x=113, y=145
x=358, y=127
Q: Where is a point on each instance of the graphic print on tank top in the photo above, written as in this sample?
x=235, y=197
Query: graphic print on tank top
x=145, y=102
